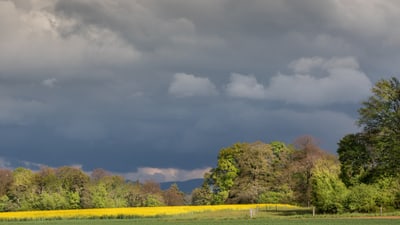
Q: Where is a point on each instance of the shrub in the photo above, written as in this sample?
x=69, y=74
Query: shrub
x=362, y=198
x=283, y=196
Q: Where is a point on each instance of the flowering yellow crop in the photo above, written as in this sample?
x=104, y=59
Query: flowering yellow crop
x=138, y=211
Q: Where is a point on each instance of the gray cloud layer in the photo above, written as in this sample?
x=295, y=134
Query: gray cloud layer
x=164, y=85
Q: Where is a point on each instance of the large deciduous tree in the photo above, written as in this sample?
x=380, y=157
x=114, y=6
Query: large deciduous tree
x=222, y=178
x=173, y=196
x=380, y=118
x=380, y=114
x=307, y=154
x=248, y=173
x=22, y=192
x=375, y=152
x=356, y=159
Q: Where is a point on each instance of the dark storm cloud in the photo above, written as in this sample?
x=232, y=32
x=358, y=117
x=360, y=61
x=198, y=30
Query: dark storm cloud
x=153, y=89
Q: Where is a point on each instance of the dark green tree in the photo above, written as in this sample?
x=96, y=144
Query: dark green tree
x=380, y=119
x=202, y=195
x=375, y=152
x=356, y=159
x=380, y=114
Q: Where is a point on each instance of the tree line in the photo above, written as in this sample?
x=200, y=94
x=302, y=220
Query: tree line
x=70, y=188
x=300, y=174
x=362, y=177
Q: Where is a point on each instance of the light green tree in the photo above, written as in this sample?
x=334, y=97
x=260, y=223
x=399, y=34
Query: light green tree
x=222, y=178
x=362, y=198
x=22, y=191
x=328, y=191
x=100, y=197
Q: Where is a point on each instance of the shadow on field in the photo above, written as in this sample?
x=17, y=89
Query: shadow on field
x=288, y=212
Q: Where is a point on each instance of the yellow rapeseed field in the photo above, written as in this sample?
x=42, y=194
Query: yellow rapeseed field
x=127, y=212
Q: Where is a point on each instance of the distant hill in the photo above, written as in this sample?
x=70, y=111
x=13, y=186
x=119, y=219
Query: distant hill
x=185, y=186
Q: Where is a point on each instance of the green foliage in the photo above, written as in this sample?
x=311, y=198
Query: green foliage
x=117, y=190
x=380, y=119
x=52, y=201
x=202, y=196
x=388, y=187
x=381, y=112
x=397, y=200
x=362, y=198
x=134, y=195
x=71, y=188
x=72, y=179
x=74, y=200
x=256, y=173
x=4, y=203
x=369, y=159
x=223, y=176
x=153, y=200
x=285, y=195
x=100, y=196
x=304, y=160
x=22, y=192
x=329, y=192
x=250, y=173
x=356, y=159
x=23, y=179
x=278, y=147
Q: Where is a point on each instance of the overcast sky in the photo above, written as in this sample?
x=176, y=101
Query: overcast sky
x=154, y=89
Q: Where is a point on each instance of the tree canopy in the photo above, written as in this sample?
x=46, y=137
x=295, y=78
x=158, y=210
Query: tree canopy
x=374, y=152
x=71, y=188
x=262, y=173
